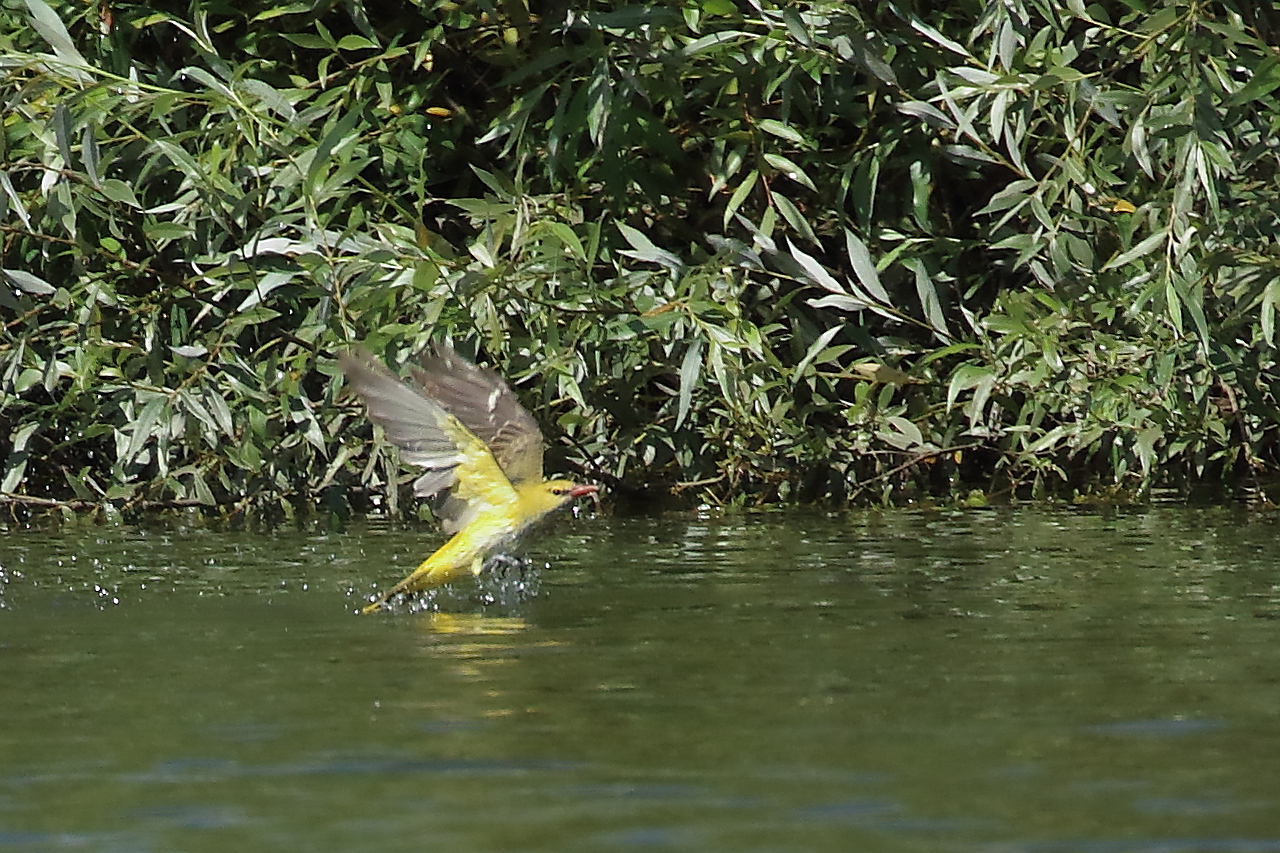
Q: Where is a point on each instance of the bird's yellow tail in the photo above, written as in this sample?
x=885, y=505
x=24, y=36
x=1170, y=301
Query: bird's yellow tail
x=441, y=567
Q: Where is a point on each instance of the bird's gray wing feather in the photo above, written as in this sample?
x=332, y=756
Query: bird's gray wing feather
x=486, y=405
x=411, y=420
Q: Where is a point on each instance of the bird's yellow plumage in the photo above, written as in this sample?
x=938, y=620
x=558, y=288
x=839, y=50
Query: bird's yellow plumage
x=466, y=428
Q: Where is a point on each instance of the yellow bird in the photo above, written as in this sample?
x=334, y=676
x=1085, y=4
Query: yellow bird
x=464, y=425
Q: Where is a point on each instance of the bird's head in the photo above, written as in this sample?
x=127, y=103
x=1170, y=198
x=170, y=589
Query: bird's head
x=554, y=494
x=542, y=498
x=564, y=491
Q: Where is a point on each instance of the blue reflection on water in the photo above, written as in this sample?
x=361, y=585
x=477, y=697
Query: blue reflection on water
x=1148, y=845
x=191, y=816
x=1169, y=727
x=208, y=769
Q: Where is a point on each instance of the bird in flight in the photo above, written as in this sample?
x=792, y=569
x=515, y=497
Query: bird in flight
x=477, y=444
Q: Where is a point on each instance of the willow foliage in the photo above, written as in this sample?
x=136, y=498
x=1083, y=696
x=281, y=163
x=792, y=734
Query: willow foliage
x=736, y=251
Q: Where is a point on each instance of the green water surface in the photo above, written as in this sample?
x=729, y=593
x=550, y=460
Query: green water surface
x=989, y=680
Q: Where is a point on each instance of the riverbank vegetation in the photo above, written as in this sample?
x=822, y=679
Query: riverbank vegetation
x=728, y=252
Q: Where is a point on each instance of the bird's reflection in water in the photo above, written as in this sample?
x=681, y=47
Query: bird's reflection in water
x=488, y=654
x=479, y=630
x=470, y=624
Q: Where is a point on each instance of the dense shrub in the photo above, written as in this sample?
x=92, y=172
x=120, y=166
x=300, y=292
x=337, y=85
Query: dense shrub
x=764, y=251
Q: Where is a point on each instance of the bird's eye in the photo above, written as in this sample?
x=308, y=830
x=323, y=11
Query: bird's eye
x=556, y=490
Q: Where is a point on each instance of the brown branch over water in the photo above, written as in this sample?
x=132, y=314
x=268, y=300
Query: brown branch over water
x=911, y=463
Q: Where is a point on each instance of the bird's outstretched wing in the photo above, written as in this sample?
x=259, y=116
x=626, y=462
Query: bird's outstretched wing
x=486, y=405
x=456, y=459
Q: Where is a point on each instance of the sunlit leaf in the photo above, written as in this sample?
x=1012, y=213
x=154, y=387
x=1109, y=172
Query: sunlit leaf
x=690, y=371
x=1264, y=80
x=708, y=41
x=568, y=239
x=28, y=282
x=968, y=154
x=1267, y=311
x=50, y=27
x=816, y=272
x=12, y=198
x=144, y=427
x=271, y=97
x=355, y=42
x=790, y=169
x=930, y=304
x=262, y=287
x=928, y=113
x=1142, y=249
x=936, y=37
x=119, y=191
x=1145, y=444
x=864, y=268
x=739, y=195
x=812, y=352
x=643, y=249
x=870, y=58
x=599, y=100
x=782, y=131
x=902, y=433
x=16, y=464
x=794, y=217
x=921, y=191
x=840, y=302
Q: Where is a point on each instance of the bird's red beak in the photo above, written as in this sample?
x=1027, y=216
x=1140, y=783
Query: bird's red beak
x=579, y=491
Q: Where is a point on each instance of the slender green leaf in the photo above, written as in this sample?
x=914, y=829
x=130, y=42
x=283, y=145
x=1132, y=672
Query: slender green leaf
x=790, y=169
x=643, y=249
x=144, y=427
x=270, y=97
x=928, y=113
x=936, y=37
x=782, y=130
x=708, y=41
x=341, y=131
x=794, y=218
x=90, y=154
x=740, y=195
x=11, y=195
x=816, y=272
x=1145, y=444
x=863, y=267
x=50, y=27
x=690, y=371
x=356, y=42
x=220, y=410
x=812, y=353
x=29, y=282
x=930, y=304
x=839, y=302
x=869, y=57
x=62, y=132
x=16, y=464
x=1267, y=312
x=599, y=102
x=1264, y=80
x=1144, y=248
